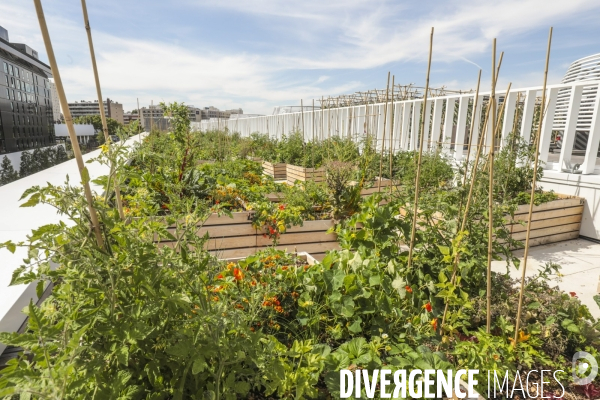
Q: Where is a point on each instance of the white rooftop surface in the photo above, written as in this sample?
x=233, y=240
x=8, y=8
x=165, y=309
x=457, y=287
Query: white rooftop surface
x=17, y=223
x=580, y=261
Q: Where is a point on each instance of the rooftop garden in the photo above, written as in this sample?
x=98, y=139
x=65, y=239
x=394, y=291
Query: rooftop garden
x=137, y=319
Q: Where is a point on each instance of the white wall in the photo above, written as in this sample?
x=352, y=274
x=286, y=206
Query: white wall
x=60, y=130
x=586, y=186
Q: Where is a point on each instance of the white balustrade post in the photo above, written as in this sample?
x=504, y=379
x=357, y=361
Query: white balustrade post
x=570, y=126
x=591, y=152
x=461, y=127
x=448, y=124
x=547, y=123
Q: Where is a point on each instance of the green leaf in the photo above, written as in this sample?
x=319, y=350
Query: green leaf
x=445, y=250
x=39, y=289
x=374, y=280
x=85, y=176
x=355, y=327
x=199, y=365
x=534, y=306
x=242, y=387
x=597, y=299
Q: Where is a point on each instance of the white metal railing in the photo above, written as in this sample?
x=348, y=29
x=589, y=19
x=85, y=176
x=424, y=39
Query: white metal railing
x=445, y=130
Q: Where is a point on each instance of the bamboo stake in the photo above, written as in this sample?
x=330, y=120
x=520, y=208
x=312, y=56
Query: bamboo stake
x=83, y=172
x=418, y=177
x=491, y=192
x=139, y=121
x=385, y=111
x=118, y=200
x=532, y=197
x=313, y=134
x=471, y=130
x=322, y=120
x=392, y=131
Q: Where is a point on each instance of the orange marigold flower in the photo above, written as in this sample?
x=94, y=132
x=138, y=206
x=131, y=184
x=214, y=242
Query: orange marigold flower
x=238, y=274
x=239, y=306
x=215, y=298
x=220, y=276
x=573, y=294
x=279, y=309
x=408, y=289
x=434, y=324
x=253, y=283
x=427, y=307
x=306, y=267
x=282, y=207
x=251, y=329
x=284, y=268
x=266, y=303
x=295, y=295
x=230, y=265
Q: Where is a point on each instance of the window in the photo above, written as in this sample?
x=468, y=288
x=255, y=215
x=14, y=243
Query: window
x=19, y=96
x=12, y=82
x=10, y=69
x=13, y=95
x=17, y=72
x=5, y=67
x=12, y=107
x=8, y=94
x=7, y=82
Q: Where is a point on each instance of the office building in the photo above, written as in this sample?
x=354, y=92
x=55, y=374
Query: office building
x=26, y=110
x=112, y=109
x=129, y=117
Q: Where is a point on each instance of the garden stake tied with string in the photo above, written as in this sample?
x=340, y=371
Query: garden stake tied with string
x=107, y=139
x=83, y=172
x=417, y=179
x=492, y=106
x=383, y=137
x=532, y=196
x=474, y=170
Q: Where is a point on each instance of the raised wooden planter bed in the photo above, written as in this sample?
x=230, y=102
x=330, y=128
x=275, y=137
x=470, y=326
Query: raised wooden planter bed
x=277, y=171
x=236, y=237
x=310, y=260
x=552, y=222
x=386, y=184
x=295, y=173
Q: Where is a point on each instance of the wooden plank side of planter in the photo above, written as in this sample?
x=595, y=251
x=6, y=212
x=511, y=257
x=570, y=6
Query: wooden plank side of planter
x=551, y=205
x=297, y=239
x=296, y=173
x=234, y=253
x=549, y=214
x=551, y=239
x=227, y=243
x=554, y=230
x=546, y=223
x=312, y=226
x=236, y=218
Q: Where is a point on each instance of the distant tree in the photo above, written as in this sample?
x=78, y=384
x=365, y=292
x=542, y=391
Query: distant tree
x=95, y=120
x=7, y=172
x=25, y=167
x=61, y=155
x=37, y=161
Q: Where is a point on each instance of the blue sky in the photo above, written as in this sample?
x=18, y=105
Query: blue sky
x=257, y=54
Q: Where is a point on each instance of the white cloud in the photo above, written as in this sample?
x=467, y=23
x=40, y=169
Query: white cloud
x=333, y=36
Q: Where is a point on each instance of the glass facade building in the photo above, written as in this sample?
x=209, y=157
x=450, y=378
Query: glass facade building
x=26, y=118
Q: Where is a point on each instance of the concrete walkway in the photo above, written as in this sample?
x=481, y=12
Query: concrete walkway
x=580, y=261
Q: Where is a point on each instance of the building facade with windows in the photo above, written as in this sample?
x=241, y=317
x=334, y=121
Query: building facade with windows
x=112, y=109
x=26, y=113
